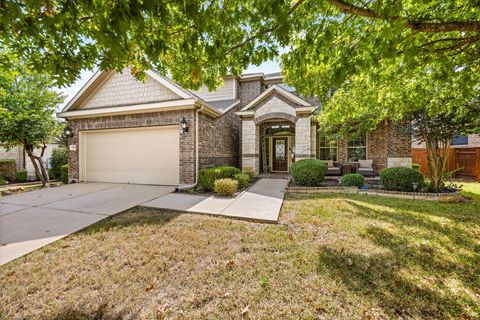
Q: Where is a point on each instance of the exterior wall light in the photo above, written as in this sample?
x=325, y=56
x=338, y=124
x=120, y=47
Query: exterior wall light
x=183, y=125
x=68, y=132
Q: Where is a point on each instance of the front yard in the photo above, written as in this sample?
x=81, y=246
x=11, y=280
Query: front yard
x=331, y=256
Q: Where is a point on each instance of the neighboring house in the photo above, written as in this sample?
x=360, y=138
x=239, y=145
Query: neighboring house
x=460, y=141
x=23, y=161
x=124, y=130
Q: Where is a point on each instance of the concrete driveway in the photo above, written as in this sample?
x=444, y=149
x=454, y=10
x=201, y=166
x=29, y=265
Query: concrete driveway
x=31, y=220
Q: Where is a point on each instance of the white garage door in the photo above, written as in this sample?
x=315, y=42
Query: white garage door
x=140, y=155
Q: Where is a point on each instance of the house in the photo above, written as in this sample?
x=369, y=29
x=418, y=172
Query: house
x=155, y=132
x=23, y=162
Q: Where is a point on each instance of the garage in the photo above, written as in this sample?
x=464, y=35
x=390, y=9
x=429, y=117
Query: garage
x=137, y=155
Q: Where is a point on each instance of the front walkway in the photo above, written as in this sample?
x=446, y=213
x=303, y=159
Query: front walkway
x=262, y=202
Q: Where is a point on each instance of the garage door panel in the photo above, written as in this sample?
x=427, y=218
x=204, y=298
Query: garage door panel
x=143, y=155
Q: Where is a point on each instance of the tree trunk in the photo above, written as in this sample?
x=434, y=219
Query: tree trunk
x=437, y=157
x=37, y=162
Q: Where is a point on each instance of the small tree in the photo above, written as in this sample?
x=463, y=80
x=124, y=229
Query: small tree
x=27, y=115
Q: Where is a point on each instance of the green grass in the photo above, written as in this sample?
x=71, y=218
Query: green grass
x=332, y=256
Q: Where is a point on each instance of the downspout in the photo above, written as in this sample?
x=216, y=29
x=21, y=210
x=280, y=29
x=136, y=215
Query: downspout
x=190, y=186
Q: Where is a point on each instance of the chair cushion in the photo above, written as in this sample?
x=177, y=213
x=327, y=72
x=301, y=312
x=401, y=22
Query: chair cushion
x=365, y=163
x=329, y=163
x=333, y=169
x=366, y=169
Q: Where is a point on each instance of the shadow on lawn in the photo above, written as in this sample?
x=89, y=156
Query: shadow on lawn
x=428, y=267
x=134, y=217
x=100, y=313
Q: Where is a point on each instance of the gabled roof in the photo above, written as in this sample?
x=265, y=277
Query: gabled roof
x=279, y=90
x=101, y=76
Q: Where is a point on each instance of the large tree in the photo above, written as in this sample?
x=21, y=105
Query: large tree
x=438, y=107
x=197, y=41
x=27, y=115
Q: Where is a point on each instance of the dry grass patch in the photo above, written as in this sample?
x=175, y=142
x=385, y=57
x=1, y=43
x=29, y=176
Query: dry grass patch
x=332, y=256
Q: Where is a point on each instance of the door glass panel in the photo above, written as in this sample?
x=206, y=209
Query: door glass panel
x=280, y=149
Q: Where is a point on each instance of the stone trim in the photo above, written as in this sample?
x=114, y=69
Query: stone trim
x=275, y=115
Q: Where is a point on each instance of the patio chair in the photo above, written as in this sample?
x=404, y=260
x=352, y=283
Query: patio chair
x=366, y=168
x=333, y=168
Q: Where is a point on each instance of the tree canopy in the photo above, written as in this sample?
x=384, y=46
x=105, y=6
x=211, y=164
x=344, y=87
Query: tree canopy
x=27, y=114
x=197, y=41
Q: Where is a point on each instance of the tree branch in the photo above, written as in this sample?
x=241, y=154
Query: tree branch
x=421, y=26
x=258, y=34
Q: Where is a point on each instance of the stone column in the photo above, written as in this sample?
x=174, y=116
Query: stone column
x=303, y=137
x=250, y=146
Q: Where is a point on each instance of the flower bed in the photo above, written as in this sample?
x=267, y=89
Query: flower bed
x=443, y=197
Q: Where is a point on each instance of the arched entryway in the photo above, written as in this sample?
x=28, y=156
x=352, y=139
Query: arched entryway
x=277, y=145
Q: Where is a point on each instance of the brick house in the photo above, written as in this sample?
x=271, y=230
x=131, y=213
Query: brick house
x=156, y=132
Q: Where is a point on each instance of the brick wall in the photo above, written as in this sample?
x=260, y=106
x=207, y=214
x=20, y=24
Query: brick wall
x=219, y=139
x=249, y=90
x=187, y=139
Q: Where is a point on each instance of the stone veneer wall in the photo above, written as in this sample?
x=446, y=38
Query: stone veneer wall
x=219, y=139
x=187, y=139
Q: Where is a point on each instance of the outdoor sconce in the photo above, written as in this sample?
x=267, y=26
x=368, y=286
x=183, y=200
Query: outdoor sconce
x=183, y=125
x=68, y=132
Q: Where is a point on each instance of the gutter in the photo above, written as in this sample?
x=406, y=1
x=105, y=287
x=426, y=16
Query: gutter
x=189, y=186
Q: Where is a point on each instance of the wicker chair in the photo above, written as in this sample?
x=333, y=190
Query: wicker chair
x=366, y=167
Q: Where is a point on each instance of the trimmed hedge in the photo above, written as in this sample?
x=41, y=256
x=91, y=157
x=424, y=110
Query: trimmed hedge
x=8, y=169
x=243, y=180
x=207, y=177
x=416, y=166
x=64, y=173
x=2, y=180
x=225, y=187
x=22, y=176
x=401, y=179
x=308, y=172
x=250, y=172
x=353, y=180
x=58, y=159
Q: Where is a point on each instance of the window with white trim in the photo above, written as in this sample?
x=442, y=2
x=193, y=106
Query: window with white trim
x=357, y=148
x=327, y=148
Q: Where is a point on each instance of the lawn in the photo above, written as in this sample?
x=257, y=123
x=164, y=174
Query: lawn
x=332, y=256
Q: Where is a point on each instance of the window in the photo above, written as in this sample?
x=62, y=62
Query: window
x=357, y=148
x=327, y=149
x=459, y=140
x=280, y=130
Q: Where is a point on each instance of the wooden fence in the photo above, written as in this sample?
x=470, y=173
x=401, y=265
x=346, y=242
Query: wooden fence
x=466, y=158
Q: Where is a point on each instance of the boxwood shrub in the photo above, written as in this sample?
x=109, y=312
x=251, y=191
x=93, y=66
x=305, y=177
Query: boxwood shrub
x=401, y=179
x=58, y=159
x=207, y=177
x=308, y=172
x=22, y=175
x=353, y=180
x=225, y=187
x=243, y=180
x=64, y=173
x=416, y=166
x=3, y=180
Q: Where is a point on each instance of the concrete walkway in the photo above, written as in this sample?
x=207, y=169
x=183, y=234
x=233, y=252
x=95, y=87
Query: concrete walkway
x=262, y=202
x=31, y=220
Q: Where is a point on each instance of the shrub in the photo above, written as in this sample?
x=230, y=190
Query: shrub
x=51, y=175
x=250, y=172
x=207, y=177
x=8, y=169
x=64, y=173
x=416, y=166
x=353, y=180
x=243, y=180
x=225, y=187
x=22, y=176
x=58, y=159
x=308, y=172
x=2, y=180
x=401, y=179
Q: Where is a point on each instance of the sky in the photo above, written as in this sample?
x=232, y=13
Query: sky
x=266, y=67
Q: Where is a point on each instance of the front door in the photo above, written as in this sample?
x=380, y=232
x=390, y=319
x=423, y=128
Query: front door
x=280, y=154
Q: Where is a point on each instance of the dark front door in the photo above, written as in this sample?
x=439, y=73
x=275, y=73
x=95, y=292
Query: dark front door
x=280, y=152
